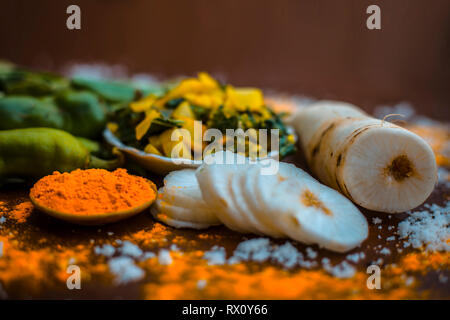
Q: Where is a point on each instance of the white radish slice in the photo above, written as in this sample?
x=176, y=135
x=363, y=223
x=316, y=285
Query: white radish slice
x=266, y=187
x=241, y=216
x=214, y=181
x=179, y=224
x=182, y=190
x=311, y=212
x=288, y=170
x=249, y=187
x=236, y=186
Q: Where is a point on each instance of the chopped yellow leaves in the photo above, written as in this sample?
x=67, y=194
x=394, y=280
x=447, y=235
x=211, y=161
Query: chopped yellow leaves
x=206, y=100
x=204, y=84
x=203, y=91
x=144, y=125
x=112, y=126
x=143, y=104
x=242, y=98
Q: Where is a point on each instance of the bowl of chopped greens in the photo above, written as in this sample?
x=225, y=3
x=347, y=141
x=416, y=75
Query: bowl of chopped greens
x=194, y=118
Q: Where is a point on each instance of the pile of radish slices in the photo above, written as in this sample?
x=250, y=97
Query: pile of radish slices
x=289, y=204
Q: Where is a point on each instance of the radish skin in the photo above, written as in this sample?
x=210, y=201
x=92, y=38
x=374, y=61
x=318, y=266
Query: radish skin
x=377, y=164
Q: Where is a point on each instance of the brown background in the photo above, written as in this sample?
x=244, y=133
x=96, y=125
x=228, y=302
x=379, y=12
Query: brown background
x=320, y=48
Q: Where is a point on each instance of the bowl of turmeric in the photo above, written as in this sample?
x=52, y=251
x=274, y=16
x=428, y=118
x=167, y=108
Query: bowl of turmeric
x=93, y=196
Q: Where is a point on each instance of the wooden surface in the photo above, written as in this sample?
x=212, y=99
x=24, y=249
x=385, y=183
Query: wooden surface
x=41, y=232
x=319, y=48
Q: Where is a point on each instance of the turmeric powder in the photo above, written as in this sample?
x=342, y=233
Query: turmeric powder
x=21, y=212
x=88, y=192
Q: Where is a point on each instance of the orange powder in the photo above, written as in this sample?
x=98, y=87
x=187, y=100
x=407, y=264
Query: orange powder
x=21, y=212
x=87, y=192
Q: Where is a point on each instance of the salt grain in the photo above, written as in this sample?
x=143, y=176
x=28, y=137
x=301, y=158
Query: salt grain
x=311, y=253
x=106, y=250
x=164, y=257
x=355, y=257
x=428, y=228
x=254, y=249
x=201, y=284
x=342, y=270
x=130, y=249
x=216, y=256
x=286, y=255
x=376, y=220
x=125, y=270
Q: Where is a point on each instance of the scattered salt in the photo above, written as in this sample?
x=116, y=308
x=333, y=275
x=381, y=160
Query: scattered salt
x=2, y=220
x=391, y=238
x=254, y=249
x=147, y=255
x=286, y=255
x=409, y=281
x=125, y=270
x=106, y=250
x=130, y=249
x=164, y=257
x=311, y=253
x=444, y=177
x=342, y=270
x=216, y=256
x=307, y=264
x=429, y=228
x=385, y=251
x=355, y=257
x=201, y=284
x=376, y=220
x=379, y=261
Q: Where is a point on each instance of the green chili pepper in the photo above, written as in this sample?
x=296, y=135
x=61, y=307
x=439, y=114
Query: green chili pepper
x=114, y=91
x=15, y=80
x=36, y=152
x=85, y=116
x=79, y=113
x=25, y=112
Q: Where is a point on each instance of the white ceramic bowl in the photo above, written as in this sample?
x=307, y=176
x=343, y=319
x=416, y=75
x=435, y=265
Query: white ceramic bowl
x=160, y=164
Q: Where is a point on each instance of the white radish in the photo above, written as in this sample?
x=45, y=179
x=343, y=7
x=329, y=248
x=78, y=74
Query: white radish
x=249, y=189
x=378, y=165
x=181, y=199
x=289, y=203
x=179, y=224
x=214, y=181
x=313, y=213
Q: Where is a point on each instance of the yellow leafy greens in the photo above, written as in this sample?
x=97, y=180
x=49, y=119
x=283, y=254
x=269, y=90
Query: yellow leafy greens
x=154, y=118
